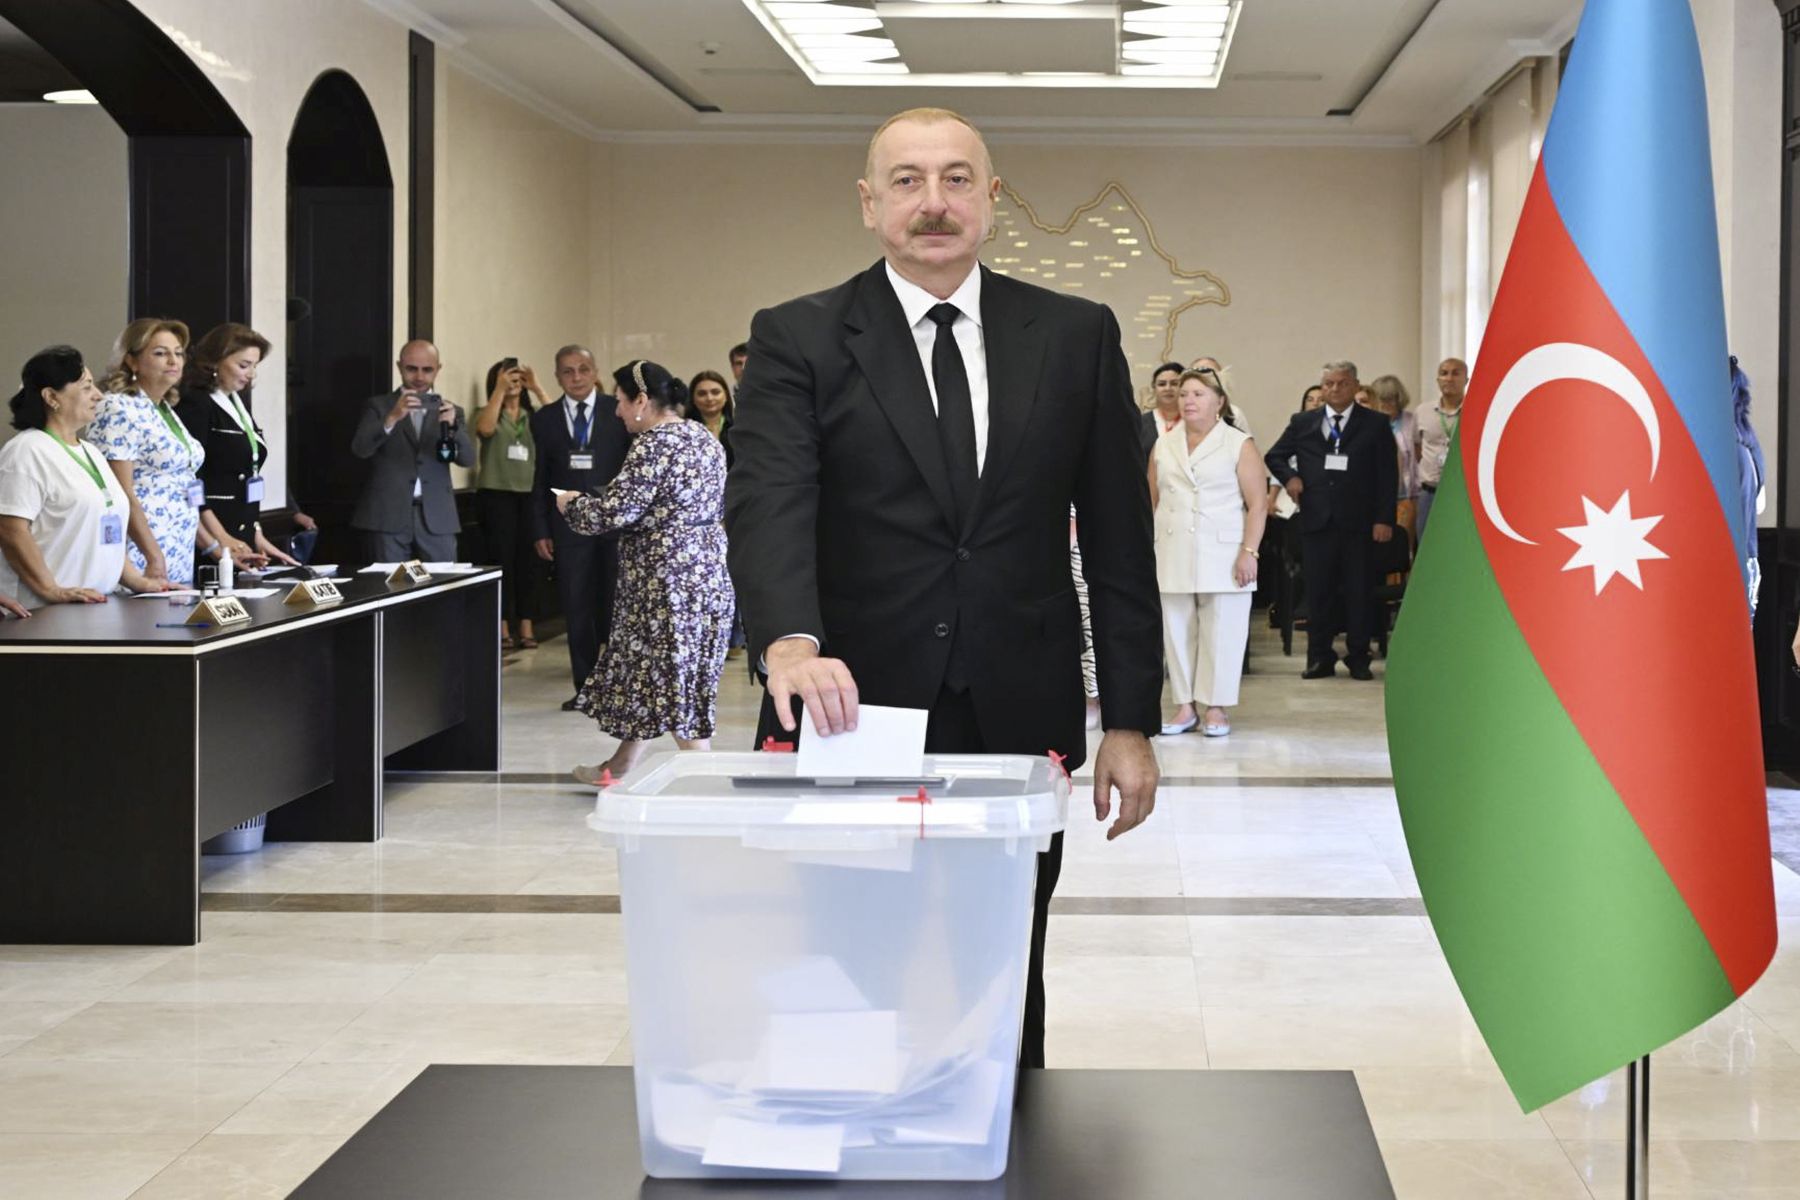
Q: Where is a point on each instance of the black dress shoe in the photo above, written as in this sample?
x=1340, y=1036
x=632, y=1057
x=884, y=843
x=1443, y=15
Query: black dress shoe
x=1319, y=671
x=569, y=704
x=1361, y=671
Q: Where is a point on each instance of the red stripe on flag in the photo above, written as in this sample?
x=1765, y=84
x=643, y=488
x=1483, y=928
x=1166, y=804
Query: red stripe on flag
x=1658, y=678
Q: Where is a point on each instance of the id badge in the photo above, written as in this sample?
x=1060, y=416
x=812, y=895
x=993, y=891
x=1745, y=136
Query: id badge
x=112, y=529
x=196, y=493
x=253, y=490
x=581, y=462
x=1337, y=462
x=518, y=452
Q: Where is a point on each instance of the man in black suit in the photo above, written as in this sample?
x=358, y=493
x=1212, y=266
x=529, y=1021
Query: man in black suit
x=580, y=446
x=908, y=446
x=1347, y=485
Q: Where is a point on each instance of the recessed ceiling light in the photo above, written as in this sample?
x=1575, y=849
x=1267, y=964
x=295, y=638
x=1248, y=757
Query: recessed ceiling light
x=71, y=96
x=1159, y=43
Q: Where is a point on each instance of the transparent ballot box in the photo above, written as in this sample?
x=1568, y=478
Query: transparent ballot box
x=827, y=976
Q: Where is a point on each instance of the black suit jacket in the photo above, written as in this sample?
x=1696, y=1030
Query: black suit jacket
x=1351, y=500
x=608, y=440
x=230, y=460
x=839, y=510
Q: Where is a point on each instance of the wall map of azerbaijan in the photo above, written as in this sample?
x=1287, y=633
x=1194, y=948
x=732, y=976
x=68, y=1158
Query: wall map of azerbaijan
x=1107, y=251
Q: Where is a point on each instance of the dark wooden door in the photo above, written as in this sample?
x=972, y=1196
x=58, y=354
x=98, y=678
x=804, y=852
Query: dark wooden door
x=340, y=338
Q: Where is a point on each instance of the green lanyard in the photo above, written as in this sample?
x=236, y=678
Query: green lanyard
x=86, y=462
x=247, y=425
x=175, y=427
x=1445, y=425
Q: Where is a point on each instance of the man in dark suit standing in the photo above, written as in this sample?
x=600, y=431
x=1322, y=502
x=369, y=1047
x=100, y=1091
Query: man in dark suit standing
x=581, y=444
x=908, y=446
x=408, y=506
x=1347, y=484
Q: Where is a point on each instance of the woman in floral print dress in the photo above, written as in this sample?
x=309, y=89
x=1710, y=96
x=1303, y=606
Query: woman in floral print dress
x=672, y=614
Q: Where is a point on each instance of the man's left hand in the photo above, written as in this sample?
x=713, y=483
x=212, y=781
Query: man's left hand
x=1126, y=762
x=1384, y=533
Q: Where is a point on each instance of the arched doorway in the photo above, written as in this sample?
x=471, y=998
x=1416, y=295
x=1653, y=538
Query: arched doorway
x=189, y=171
x=340, y=297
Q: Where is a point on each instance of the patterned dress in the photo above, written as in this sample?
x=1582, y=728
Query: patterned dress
x=129, y=428
x=672, y=613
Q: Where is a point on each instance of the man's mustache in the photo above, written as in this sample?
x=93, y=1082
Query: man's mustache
x=935, y=225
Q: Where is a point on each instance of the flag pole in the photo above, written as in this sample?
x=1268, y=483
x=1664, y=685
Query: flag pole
x=1637, y=1130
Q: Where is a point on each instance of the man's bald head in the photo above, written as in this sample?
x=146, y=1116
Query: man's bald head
x=418, y=365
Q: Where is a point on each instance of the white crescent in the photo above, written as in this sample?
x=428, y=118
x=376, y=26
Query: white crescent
x=1547, y=364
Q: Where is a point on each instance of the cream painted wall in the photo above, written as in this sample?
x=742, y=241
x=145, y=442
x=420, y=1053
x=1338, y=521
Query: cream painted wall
x=62, y=244
x=1740, y=49
x=1320, y=247
x=513, y=230
x=263, y=60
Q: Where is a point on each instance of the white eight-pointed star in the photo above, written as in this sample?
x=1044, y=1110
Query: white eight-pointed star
x=1612, y=543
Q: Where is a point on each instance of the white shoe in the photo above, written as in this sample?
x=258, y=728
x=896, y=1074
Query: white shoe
x=1171, y=730
x=1217, y=730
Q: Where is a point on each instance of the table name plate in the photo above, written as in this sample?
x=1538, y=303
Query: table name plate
x=219, y=610
x=314, y=593
x=410, y=573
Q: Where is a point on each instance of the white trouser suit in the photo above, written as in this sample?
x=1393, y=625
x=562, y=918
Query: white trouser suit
x=1199, y=531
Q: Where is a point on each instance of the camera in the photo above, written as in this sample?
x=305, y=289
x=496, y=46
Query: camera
x=446, y=443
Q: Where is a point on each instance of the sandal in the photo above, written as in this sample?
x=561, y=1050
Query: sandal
x=529, y=643
x=506, y=643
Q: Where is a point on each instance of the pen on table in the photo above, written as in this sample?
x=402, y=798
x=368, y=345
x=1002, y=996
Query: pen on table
x=183, y=625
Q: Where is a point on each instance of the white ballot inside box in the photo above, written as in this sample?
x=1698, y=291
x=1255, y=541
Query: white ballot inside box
x=826, y=975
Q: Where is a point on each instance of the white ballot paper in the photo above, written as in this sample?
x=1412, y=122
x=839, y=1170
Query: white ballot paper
x=842, y=1053
x=886, y=741
x=739, y=1143
x=451, y=568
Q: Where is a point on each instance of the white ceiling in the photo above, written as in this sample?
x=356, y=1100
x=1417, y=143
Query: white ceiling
x=1394, y=70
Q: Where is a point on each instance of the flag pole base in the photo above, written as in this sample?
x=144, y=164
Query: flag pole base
x=1637, y=1130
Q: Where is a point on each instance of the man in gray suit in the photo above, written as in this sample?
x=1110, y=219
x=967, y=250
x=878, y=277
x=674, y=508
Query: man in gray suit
x=408, y=507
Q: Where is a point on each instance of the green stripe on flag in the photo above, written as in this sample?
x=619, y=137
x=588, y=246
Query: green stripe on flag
x=1573, y=949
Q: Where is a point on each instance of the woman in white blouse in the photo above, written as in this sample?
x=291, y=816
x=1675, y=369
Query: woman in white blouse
x=1206, y=482
x=63, y=515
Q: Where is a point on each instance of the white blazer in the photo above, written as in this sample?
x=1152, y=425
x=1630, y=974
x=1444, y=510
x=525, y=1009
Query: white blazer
x=1199, y=510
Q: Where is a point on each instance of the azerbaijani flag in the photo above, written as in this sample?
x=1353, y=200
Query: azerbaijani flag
x=1571, y=701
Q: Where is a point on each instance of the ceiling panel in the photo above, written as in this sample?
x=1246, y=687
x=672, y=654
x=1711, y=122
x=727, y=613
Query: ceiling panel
x=599, y=63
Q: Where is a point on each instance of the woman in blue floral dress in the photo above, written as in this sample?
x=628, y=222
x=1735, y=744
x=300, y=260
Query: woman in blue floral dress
x=672, y=613
x=150, y=450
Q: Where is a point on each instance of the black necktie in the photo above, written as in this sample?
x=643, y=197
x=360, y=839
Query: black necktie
x=1337, y=431
x=956, y=412
x=581, y=424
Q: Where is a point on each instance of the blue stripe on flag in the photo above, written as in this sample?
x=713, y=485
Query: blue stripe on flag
x=1628, y=163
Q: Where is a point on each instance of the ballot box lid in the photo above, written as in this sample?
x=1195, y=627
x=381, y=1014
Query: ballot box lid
x=760, y=798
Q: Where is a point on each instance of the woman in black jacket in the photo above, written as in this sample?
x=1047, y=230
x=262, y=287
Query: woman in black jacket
x=221, y=368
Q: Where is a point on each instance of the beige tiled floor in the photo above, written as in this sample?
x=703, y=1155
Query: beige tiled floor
x=232, y=1068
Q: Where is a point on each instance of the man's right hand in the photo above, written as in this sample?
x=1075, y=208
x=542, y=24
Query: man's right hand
x=546, y=549
x=404, y=403
x=1295, y=487
x=824, y=684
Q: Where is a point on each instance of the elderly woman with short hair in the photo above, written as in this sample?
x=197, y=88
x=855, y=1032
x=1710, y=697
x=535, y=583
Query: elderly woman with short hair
x=62, y=513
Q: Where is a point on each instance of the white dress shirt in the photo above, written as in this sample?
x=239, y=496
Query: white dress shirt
x=916, y=303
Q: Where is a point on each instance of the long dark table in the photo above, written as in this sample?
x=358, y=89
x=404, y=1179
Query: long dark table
x=124, y=745
x=571, y=1133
